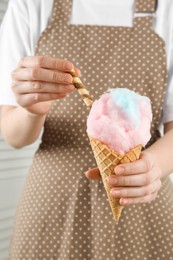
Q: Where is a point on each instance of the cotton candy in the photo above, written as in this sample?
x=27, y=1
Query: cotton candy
x=121, y=119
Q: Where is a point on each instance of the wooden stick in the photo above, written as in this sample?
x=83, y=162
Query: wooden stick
x=82, y=90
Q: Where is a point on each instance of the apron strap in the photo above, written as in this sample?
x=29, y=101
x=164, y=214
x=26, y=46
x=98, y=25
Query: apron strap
x=61, y=11
x=145, y=6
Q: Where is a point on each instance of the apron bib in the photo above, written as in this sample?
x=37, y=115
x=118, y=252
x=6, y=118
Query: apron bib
x=61, y=214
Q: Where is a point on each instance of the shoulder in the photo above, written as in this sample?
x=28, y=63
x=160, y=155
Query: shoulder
x=165, y=7
x=27, y=5
x=35, y=13
x=166, y=3
x=27, y=2
x=30, y=3
x=164, y=16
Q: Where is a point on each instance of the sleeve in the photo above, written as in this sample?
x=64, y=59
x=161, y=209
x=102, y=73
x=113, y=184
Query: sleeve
x=168, y=103
x=14, y=44
x=166, y=25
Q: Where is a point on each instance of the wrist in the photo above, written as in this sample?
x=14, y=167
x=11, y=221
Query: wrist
x=33, y=115
x=156, y=163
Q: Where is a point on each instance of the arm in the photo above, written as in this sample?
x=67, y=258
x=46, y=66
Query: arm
x=19, y=127
x=36, y=83
x=162, y=151
x=140, y=181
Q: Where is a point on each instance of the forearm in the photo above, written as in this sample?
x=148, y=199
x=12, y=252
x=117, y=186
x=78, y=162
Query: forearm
x=162, y=151
x=19, y=127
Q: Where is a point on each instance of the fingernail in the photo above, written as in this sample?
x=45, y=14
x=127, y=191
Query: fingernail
x=114, y=192
x=111, y=192
x=119, y=170
x=70, y=87
x=123, y=201
x=79, y=73
x=86, y=173
x=112, y=181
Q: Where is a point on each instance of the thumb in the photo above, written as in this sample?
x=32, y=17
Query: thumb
x=93, y=174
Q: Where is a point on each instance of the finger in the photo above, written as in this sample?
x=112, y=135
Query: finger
x=47, y=63
x=140, y=200
x=135, y=191
x=142, y=179
x=140, y=165
x=31, y=99
x=39, y=74
x=93, y=174
x=40, y=86
x=78, y=72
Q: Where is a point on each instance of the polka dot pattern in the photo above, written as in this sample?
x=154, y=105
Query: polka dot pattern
x=61, y=215
x=146, y=6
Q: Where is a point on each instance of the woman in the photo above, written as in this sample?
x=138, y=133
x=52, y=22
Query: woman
x=61, y=213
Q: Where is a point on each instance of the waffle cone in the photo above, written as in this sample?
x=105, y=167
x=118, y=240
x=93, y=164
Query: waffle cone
x=107, y=159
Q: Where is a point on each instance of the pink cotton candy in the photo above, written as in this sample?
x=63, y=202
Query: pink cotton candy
x=109, y=122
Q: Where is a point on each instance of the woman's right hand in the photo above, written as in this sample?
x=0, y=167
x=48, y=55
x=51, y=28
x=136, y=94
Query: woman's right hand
x=39, y=80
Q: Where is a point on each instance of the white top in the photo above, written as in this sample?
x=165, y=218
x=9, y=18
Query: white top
x=26, y=19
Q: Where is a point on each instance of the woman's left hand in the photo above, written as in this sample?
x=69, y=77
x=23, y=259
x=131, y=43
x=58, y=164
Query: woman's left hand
x=135, y=182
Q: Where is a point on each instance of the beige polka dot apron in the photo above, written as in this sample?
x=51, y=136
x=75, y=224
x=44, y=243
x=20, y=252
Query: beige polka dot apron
x=61, y=214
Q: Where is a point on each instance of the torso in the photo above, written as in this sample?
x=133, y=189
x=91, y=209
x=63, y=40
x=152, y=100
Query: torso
x=67, y=216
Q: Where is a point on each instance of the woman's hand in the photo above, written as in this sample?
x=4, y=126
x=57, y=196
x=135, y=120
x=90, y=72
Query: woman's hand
x=39, y=80
x=135, y=182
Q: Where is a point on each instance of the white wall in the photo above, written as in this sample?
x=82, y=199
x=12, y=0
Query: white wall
x=14, y=166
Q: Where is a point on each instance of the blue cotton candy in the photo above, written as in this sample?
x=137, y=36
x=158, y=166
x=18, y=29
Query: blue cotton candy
x=127, y=101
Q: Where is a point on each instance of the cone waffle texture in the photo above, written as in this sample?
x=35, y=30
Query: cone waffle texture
x=107, y=159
